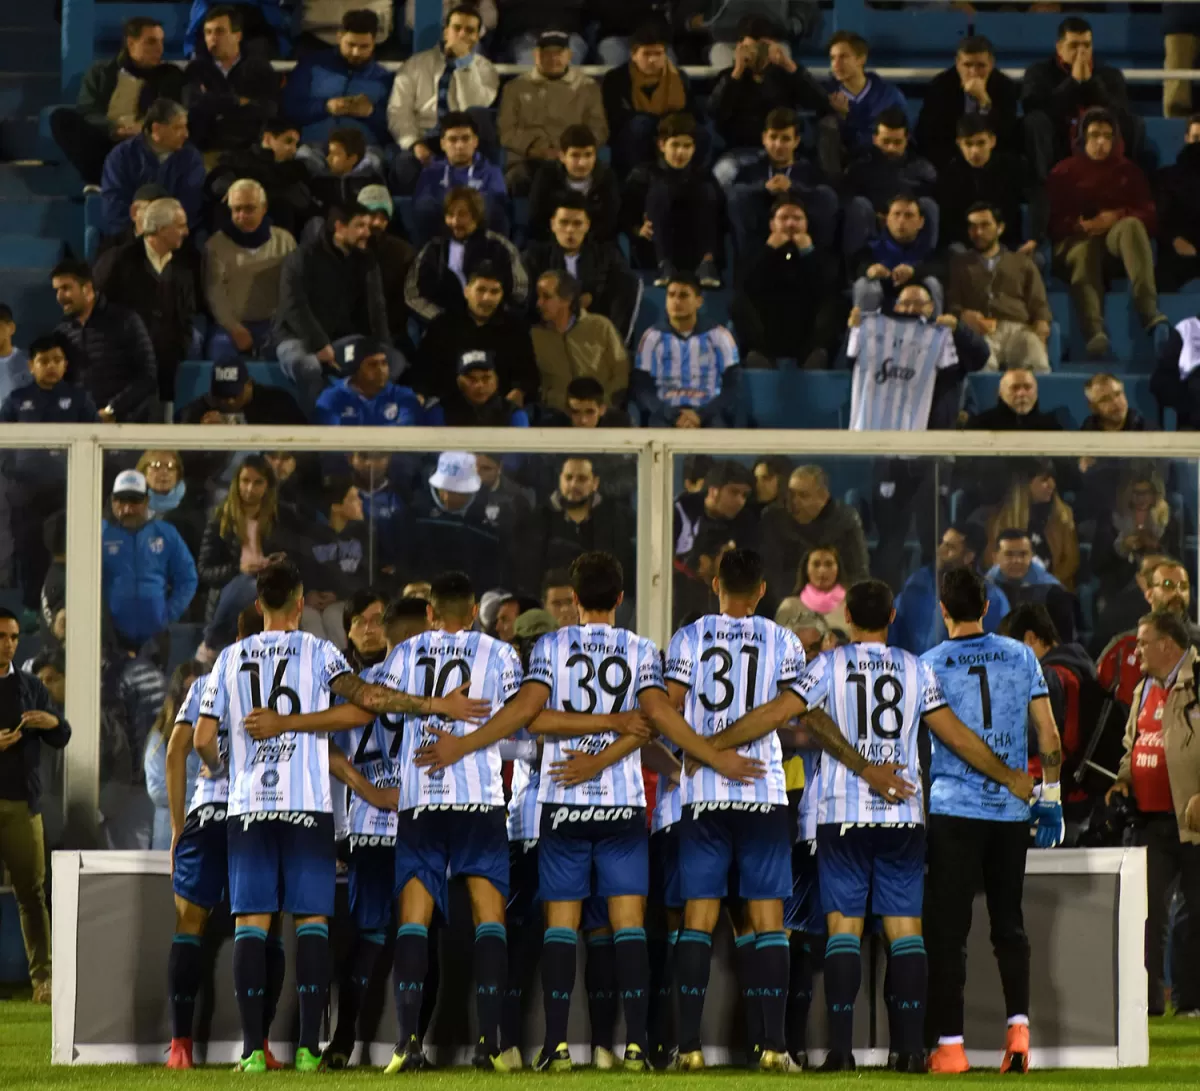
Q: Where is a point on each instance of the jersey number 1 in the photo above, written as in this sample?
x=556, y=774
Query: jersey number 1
x=278, y=689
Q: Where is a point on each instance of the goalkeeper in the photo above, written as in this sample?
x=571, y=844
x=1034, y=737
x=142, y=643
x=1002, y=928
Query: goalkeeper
x=978, y=832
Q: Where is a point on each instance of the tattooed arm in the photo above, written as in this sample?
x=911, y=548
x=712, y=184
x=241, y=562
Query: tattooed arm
x=1049, y=743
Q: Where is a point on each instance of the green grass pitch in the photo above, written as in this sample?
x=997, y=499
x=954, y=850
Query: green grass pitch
x=25, y=1063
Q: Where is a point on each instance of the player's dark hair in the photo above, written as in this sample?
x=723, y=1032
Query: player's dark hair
x=1030, y=617
x=556, y=577
x=277, y=584
x=1011, y=534
x=359, y=603
x=598, y=580
x=1073, y=24
x=452, y=595
x=577, y=136
x=360, y=22
x=740, y=572
x=972, y=125
x=869, y=605
x=47, y=343
x=249, y=622
x=404, y=612
x=1170, y=625
x=893, y=117
x=586, y=388
x=7, y=615
x=963, y=593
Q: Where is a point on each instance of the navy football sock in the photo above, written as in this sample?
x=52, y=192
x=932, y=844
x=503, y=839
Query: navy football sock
x=744, y=960
x=433, y=979
x=250, y=983
x=558, y=980
x=491, y=972
x=800, y=984
x=633, y=982
x=600, y=980
x=276, y=965
x=662, y=999
x=771, y=978
x=364, y=960
x=410, y=965
x=312, y=981
x=908, y=971
x=523, y=964
x=843, y=975
x=183, y=982
x=693, y=960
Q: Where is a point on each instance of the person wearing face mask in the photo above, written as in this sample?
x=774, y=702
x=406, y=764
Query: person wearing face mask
x=243, y=262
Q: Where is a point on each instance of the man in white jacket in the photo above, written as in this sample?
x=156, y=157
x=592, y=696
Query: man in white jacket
x=449, y=77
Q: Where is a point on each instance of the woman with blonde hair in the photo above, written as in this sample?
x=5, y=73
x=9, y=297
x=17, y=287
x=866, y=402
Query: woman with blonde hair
x=1033, y=504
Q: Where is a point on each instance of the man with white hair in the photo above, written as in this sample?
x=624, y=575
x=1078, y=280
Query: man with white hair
x=158, y=280
x=243, y=260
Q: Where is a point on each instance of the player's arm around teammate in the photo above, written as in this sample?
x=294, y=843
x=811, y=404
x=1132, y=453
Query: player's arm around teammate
x=383, y=799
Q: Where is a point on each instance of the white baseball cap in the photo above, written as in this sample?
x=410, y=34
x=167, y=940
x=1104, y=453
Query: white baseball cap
x=130, y=485
x=456, y=472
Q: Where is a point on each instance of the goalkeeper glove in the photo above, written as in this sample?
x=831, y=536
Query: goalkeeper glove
x=1046, y=814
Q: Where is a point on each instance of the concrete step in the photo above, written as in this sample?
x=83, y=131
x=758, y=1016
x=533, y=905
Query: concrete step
x=51, y=217
x=41, y=180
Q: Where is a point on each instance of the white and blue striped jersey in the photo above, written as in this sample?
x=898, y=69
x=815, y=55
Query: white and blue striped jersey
x=373, y=749
x=687, y=371
x=730, y=666
x=524, y=810
x=436, y=663
x=668, y=803
x=896, y=361
x=806, y=826
x=289, y=672
x=594, y=669
x=206, y=790
x=876, y=695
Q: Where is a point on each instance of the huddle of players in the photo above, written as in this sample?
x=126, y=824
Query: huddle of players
x=428, y=806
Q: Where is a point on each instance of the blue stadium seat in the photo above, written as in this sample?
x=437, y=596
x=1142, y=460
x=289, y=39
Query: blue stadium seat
x=1165, y=135
x=1130, y=346
x=109, y=19
x=194, y=379
x=796, y=399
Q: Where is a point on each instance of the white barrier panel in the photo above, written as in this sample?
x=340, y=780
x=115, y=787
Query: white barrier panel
x=1085, y=912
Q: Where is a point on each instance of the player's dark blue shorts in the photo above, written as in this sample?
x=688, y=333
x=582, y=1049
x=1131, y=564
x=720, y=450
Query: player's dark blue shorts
x=802, y=909
x=713, y=836
x=881, y=868
x=440, y=842
x=202, y=857
x=610, y=841
x=371, y=875
x=282, y=860
x=664, y=868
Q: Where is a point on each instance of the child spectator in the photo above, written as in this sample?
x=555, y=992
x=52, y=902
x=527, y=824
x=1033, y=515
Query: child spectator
x=14, y=362
x=462, y=165
x=682, y=211
x=350, y=171
x=477, y=399
x=577, y=170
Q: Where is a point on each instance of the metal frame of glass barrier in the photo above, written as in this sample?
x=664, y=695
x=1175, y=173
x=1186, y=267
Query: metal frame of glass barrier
x=655, y=449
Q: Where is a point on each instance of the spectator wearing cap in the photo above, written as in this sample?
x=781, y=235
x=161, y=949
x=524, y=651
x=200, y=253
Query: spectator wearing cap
x=445, y=264
x=160, y=153
x=14, y=362
x=148, y=577
x=460, y=164
x=228, y=94
x=576, y=518
x=450, y=77
x=330, y=289
x=142, y=196
x=159, y=280
x=608, y=286
x=454, y=528
x=29, y=718
x=395, y=255
x=235, y=398
x=570, y=343
x=343, y=86
x=477, y=399
x=530, y=27
x=114, y=97
x=364, y=395
x=537, y=107
x=109, y=352
x=577, y=170
x=243, y=263
x=530, y=626
x=333, y=560
x=722, y=501
x=486, y=327
x=686, y=370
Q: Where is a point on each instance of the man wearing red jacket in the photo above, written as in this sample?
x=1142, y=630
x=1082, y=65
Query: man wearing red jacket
x=1101, y=209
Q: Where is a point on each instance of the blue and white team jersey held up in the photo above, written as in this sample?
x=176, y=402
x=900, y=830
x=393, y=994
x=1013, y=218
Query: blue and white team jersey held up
x=896, y=361
x=212, y=790
x=730, y=666
x=373, y=750
x=289, y=672
x=876, y=695
x=435, y=664
x=988, y=681
x=594, y=669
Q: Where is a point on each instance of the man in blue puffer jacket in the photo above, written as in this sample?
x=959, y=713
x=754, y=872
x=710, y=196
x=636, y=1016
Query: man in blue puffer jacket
x=148, y=576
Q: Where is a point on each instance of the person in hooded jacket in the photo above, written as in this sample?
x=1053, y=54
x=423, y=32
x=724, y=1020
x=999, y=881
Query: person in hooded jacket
x=1101, y=209
x=1176, y=188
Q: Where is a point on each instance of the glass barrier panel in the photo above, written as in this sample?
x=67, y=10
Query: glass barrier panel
x=182, y=549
